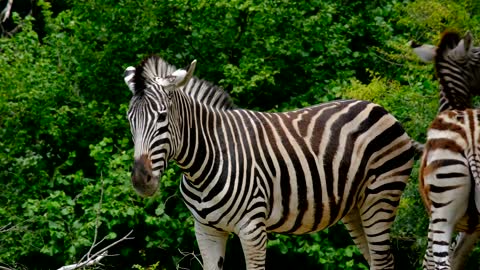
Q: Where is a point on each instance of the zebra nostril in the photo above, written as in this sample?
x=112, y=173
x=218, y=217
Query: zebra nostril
x=149, y=178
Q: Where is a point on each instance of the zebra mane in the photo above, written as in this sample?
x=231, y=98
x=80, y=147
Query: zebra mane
x=155, y=67
x=448, y=41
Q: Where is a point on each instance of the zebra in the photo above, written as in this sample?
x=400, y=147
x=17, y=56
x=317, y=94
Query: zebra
x=249, y=173
x=449, y=170
x=457, y=68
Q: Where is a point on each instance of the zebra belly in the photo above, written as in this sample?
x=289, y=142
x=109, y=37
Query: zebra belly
x=307, y=224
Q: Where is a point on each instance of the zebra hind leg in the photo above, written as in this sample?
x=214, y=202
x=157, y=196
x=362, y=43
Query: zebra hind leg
x=463, y=248
x=428, y=257
x=353, y=223
x=377, y=212
x=449, y=204
x=253, y=238
x=212, y=244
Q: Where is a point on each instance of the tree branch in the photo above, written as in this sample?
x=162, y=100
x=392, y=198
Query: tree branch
x=6, y=228
x=6, y=11
x=185, y=255
x=99, y=255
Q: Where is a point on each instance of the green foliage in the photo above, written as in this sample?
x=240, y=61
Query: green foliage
x=326, y=248
x=65, y=147
x=426, y=19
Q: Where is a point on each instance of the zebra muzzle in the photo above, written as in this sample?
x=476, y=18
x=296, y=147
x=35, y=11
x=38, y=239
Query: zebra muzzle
x=143, y=181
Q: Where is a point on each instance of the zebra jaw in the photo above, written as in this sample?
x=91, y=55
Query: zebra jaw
x=144, y=182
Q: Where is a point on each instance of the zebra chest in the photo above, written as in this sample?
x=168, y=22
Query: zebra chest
x=221, y=205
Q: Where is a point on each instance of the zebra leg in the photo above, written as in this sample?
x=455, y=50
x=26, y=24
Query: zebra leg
x=465, y=244
x=212, y=244
x=253, y=238
x=377, y=213
x=353, y=222
x=428, y=257
x=442, y=231
x=376, y=224
x=449, y=204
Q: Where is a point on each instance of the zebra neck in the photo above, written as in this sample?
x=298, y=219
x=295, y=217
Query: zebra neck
x=454, y=100
x=195, y=137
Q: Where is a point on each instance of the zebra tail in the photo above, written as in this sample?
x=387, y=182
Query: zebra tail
x=474, y=162
x=418, y=147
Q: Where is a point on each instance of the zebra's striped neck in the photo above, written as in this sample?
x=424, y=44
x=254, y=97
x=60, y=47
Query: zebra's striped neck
x=459, y=77
x=191, y=128
x=452, y=99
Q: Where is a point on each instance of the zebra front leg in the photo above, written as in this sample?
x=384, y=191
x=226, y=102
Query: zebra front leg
x=253, y=238
x=212, y=244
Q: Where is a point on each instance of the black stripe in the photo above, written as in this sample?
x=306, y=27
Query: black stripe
x=440, y=189
x=449, y=175
x=332, y=151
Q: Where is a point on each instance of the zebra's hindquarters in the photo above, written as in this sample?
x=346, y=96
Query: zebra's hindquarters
x=387, y=162
x=370, y=220
x=448, y=173
x=363, y=161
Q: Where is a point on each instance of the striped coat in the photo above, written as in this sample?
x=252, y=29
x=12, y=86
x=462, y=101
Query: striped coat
x=251, y=172
x=449, y=173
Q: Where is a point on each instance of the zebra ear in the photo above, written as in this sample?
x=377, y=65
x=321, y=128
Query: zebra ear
x=184, y=76
x=468, y=40
x=460, y=50
x=464, y=46
x=179, y=77
x=128, y=78
x=425, y=52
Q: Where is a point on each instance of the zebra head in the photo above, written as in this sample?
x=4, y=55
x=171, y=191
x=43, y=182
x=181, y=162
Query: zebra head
x=457, y=65
x=153, y=84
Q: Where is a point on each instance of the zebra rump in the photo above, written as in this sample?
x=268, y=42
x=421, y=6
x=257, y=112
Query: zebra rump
x=449, y=172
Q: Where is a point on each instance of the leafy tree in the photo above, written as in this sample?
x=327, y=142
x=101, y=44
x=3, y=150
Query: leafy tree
x=65, y=143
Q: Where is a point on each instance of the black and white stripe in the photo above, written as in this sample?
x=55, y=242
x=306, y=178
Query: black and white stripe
x=251, y=172
x=449, y=173
x=457, y=65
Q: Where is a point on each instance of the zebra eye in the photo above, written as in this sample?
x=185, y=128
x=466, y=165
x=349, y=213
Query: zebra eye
x=161, y=117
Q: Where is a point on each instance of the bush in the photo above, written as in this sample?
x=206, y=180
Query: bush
x=65, y=150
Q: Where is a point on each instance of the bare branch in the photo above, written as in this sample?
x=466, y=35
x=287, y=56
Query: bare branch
x=6, y=228
x=126, y=237
x=95, y=258
x=185, y=255
x=9, y=227
x=18, y=27
x=387, y=61
x=6, y=11
x=91, y=262
x=97, y=219
x=90, y=259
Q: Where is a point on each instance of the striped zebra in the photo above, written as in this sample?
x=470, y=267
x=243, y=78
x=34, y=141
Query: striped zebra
x=450, y=166
x=251, y=172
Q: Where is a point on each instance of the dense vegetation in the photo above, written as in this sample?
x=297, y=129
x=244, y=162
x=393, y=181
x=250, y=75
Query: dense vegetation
x=65, y=148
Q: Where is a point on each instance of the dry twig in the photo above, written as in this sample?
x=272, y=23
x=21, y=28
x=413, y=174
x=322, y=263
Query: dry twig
x=90, y=259
x=185, y=255
x=6, y=11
